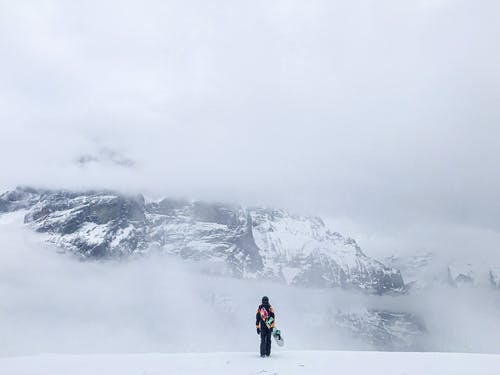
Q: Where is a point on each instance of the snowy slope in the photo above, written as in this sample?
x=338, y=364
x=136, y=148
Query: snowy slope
x=308, y=253
x=286, y=363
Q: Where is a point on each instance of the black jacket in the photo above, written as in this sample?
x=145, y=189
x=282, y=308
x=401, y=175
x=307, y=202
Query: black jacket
x=259, y=321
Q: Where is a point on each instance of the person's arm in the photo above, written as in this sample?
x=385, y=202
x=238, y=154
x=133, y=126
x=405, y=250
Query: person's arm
x=257, y=321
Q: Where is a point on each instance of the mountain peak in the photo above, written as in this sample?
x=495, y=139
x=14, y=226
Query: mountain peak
x=250, y=242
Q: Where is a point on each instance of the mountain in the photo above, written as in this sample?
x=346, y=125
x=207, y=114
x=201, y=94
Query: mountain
x=461, y=274
x=249, y=242
x=419, y=269
x=424, y=269
x=383, y=330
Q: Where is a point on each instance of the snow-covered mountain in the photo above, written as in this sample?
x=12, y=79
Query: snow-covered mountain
x=425, y=269
x=248, y=242
x=474, y=274
x=418, y=269
x=384, y=330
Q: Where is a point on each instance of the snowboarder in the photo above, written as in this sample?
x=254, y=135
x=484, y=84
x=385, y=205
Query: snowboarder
x=264, y=321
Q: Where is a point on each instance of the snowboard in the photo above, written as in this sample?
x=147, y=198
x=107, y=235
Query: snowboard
x=269, y=321
x=266, y=318
x=278, y=337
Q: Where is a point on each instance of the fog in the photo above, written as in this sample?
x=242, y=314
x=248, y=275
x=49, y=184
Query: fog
x=381, y=117
x=385, y=113
x=54, y=303
x=51, y=302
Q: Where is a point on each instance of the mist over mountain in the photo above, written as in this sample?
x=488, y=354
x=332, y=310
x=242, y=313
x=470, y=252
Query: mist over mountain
x=215, y=258
x=248, y=242
x=164, y=164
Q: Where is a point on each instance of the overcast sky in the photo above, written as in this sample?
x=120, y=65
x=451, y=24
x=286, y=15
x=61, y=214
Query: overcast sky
x=381, y=113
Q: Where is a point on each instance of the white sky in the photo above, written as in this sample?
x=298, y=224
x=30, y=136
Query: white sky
x=384, y=114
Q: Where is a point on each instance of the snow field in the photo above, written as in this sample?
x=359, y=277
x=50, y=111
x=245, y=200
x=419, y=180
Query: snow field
x=281, y=362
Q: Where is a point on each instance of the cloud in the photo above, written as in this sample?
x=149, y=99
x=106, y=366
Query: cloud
x=384, y=113
x=106, y=155
x=147, y=304
x=50, y=302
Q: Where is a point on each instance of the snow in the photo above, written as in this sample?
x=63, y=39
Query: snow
x=460, y=273
x=281, y=362
x=419, y=269
x=122, y=235
x=283, y=236
x=93, y=234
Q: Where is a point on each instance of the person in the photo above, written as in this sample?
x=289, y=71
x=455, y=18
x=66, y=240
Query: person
x=264, y=321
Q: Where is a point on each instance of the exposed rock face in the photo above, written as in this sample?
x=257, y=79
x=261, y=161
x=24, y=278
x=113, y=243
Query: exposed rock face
x=92, y=225
x=251, y=242
x=203, y=231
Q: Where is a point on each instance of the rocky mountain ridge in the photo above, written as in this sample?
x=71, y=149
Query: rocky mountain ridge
x=423, y=270
x=249, y=242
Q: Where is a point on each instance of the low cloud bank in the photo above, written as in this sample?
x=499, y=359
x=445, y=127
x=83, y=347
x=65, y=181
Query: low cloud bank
x=51, y=302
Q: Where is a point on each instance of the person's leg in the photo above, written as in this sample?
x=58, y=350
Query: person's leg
x=263, y=343
x=268, y=343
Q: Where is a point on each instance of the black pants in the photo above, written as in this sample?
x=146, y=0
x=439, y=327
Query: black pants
x=265, y=342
